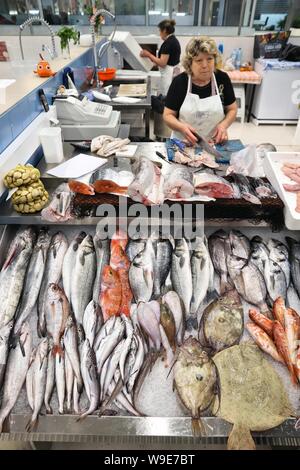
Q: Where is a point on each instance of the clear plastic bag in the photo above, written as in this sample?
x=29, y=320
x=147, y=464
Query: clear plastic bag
x=246, y=162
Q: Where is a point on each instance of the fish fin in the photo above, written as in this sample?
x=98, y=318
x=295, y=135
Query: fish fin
x=57, y=349
x=12, y=255
x=192, y=323
x=181, y=261
x=240, y=438
x=211, y=296
x=174, y=362
x=21, y=347
x=31, y=425
x=197, y=427
x=82, y=259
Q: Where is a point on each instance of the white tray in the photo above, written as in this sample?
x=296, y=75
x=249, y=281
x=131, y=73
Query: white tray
x=272, y=167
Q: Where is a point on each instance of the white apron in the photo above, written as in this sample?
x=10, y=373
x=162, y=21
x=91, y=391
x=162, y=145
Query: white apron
x=167, y=74
x=202, y=114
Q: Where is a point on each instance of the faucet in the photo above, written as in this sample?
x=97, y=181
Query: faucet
x=102, y=49
x=29, y=22
x=92, y=24
x=46, y=48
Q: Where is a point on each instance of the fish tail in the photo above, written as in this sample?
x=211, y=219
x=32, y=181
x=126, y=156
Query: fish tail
x=49, y=410
x=197, y=427
x=192, y=323
x=32, y=424
x=57, y=349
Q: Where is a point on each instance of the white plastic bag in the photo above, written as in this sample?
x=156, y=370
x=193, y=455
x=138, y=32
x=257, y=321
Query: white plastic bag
x=246, y=162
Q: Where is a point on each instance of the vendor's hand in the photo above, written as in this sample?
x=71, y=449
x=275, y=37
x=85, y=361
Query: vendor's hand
x=144, y=53
x=220, y=134
x=187, y=131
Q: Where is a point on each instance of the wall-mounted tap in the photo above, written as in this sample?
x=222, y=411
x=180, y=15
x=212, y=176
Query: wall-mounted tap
x=93, y=23
x=28, y=22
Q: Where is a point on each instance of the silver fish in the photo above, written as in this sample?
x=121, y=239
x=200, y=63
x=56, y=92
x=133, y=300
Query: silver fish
x=201, y=273
x=60, y=379
x=57, y=311
x=30, y=379
x=149, y=324
x=52, y=274
x=125, y=351
x=293, y=298
x=294, y=259
x=280, y=254
x=163, y=259
x=259, y=253
x=71, y=349
x=90, y=379
x=50, y=380
x=4, y=345
x=181, y=274
x=33, y=280
x=275, y=280
x=139, y=360
x=76, y=394
x=141, y=274
x=108, y=344
x=219, y=248
x=69, y=382
x=239, y=244
x=172, y=300
x=83, y=277
x=248, y=281
x=103, y=374
x=39, y=382
x=134, y=247
x=92, y=321
x=13, y=273
x=113, y=364
x=69, y=263
x=105, y=330
x=16, y=370
x=122, y=398
x=102, y=255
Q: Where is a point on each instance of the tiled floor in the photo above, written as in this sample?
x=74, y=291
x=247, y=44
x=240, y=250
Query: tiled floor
x=248, y=133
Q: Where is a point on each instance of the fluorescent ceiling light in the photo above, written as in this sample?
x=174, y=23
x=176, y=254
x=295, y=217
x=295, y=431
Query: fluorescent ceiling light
x=13, y=12
x=34, y=12
x=165, y=13
x=154, y=12
x=180, y=14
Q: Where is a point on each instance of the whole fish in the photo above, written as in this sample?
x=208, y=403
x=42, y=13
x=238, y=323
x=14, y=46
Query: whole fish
x=12, y=275
x=102, y=259
x=139, y=360
x=259, y=253
x=120, y=263
x=179, y=183
x=292, y=331
x=264, y=341
x=262, y=321
x=181, y=275
x=278, y=310
x=71, y=348
x=108, y=344
x=172, y=300
x=219, y=248
x=69, y=263
x=168, y=323
x=83, y=277
x=104, y=331
x=60, y=379
x=30, y=379
x=163, y=259
x=129, y=365
x=141, y=274
x=16, y=370
x=134, y=247
x=248, y=281
x=244, y=185
x=92, y=321
x=155, y=306
x=201, y=266
x=113, y=364
x=280, y=254
x=275, y=280
x=121, y=401
x=102, y=376
x=222, y=322
x=262, y=188
x=69, y=382
x=240, y=244
x=39, y=382
x=52, y=275
x=126, y=348
x=195, y=379
x=294, y=259
x=57, y=311
x=4, y=345
x=293, y=298
x=33, y=280
x=76, y=394
x=50, y=380
x=281, y=342
x=111, y=293
x=149, y=324
x=90, y=379
x=118, y=257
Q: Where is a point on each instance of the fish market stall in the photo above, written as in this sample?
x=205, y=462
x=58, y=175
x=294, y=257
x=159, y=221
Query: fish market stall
x=124, y=312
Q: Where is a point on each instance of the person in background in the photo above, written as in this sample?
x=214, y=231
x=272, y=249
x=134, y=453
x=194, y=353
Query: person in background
x=168, y=55
x=201, y=99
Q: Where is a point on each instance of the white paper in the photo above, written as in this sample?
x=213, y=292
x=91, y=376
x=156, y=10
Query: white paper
x=77, y=166
x=128, y=151
x=126, y=100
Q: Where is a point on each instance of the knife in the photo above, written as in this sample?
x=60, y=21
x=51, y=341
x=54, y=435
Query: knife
x=206, y=146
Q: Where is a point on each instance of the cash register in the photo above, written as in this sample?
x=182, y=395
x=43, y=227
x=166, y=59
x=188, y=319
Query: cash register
x=84, y=119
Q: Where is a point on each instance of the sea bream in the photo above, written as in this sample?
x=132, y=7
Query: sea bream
x=259, y=253
x=212, y=185
x=239, y=244
x=163, y=258
x=280, y=254
x=275, y=280
x=178, y=183
x=294, y=259
x=141, y=274
x=12, y=275
x=69, y=263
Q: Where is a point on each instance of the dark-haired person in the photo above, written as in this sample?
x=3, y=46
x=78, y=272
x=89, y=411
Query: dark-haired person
x=201, y=99
x=168, y=55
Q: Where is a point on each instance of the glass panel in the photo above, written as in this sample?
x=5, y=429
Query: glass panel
x=158, y=11
x=131, y=12
x=13, y=12
x=183, y=12
x=270, y=15
x=74, y=12
x=222, y=13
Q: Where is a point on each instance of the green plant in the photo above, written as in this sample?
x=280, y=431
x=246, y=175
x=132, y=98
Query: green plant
x=66, y=33
x=88, y=10
x=281, y=23
x=296, y=22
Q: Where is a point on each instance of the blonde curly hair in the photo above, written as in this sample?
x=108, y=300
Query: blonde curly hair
x=197, y=45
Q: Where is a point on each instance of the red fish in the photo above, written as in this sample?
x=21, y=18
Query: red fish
x=111, y=293
x=119, y=238
x=281, y=343
x=264, y=341
x=81, y=188
x=120, y=262
x=291, y=326
x=108, y=186
x=278, y=310
x=262, y=321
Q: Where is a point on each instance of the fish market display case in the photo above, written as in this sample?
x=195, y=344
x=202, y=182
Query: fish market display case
x=163, y=429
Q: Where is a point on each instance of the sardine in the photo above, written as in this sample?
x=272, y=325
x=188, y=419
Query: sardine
x=50, y=380
x=12, y=275
x=141, y=274
x=181, y=275
x=113, y=364
x=219, y=248
x=16, y=370
x=294, y=259
x=92, y=321
x=83, y=277
x=39, y=382
x=163, y=259
x=102, y=259
x=60, y=379
x=33, y=280
x=69, y=263
x=239, y=244
x=280, y=254
x=108, y=344
x=4, y=346
x=90, y=379
x=52, y=275
x=71, y=349
x=57, y=311
x=172, y=300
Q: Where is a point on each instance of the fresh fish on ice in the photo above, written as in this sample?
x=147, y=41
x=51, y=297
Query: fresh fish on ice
x=141, y=274
x=247, y=192
x=69, y=263
x=181, y=275
x=102, y=259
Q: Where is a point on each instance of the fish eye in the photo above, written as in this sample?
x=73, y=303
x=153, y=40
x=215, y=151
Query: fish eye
x=221, y=320
x=199, y=377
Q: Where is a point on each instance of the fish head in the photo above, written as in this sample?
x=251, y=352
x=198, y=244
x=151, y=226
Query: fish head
x=80, y=333
x=43, y=347
x=87, y=244
x=5, y=331
x=109, y=276
x=235, y=263
x=54, y=292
